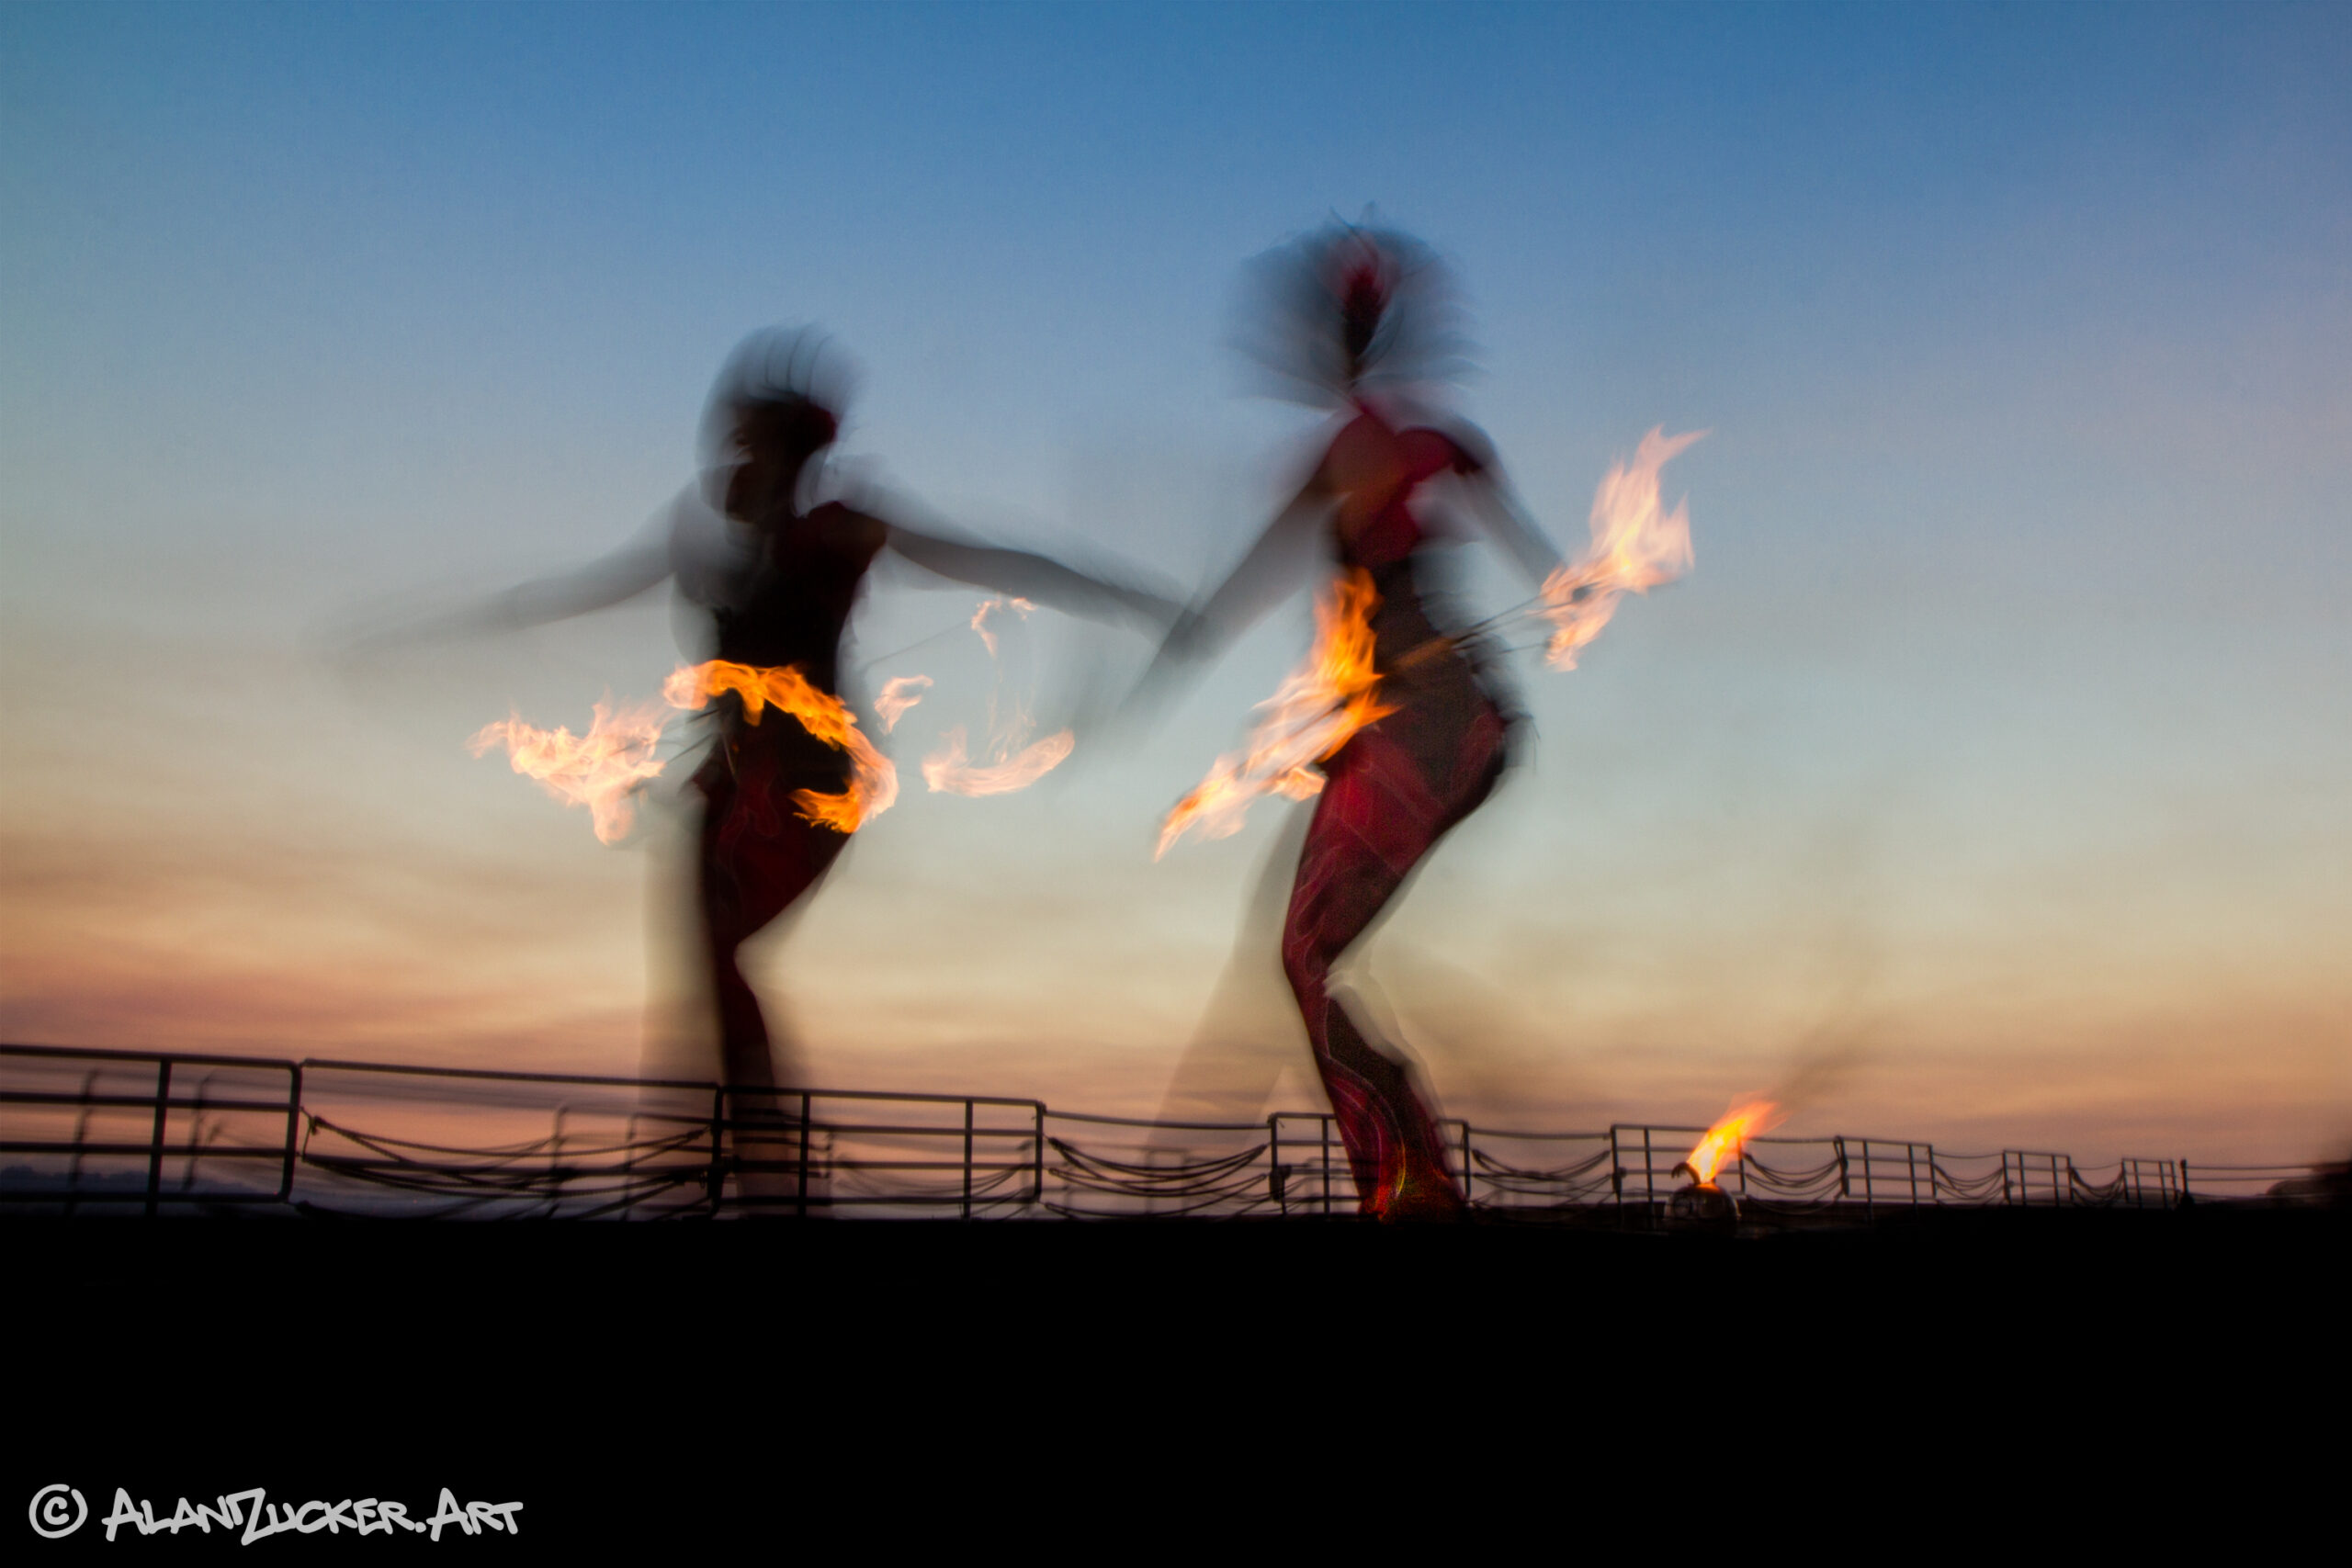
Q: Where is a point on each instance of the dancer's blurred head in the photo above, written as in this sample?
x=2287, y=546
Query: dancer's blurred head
x=777, y=402
x=1350, y=308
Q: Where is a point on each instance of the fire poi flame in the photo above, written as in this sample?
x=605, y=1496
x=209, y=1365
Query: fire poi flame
x=873, y=783
x=1311, y=715
x=600, y=770
x=1013, y=761
x=980, y=618
x=899, y=693
x=1722, y=1141
x=603, y=768
x=949, y=770
x=1637, y=545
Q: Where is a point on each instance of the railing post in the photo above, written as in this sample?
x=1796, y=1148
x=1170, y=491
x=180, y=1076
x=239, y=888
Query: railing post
x=718, y=1129
x=1037, y=1180
x=1326, y=1164
x=156, y=1145
x=1617, y=1175
x=293, y=1120
x=800, y=1184
x=1274, y=1183
x=1469, y=1184
x=967, y=1158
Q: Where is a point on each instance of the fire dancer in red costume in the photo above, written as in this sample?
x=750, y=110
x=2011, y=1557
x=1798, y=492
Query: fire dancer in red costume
x=779, y=578
x=1362, y=318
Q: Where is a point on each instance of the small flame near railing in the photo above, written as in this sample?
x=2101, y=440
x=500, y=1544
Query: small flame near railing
x=1726, y=1139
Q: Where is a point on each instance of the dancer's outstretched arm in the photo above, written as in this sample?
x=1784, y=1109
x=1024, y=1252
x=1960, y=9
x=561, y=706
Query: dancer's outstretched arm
x=643, y=562
x=1271, y=572
x=1273, y=569
x=1497, y=506
x=1034, y=576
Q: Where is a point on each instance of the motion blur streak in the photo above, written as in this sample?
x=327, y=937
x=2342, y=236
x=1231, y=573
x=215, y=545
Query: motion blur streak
x=600, y=770
x=1311, y=715
x=1637, y=545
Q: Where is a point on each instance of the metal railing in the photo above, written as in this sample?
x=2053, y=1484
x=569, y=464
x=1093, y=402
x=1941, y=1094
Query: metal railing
x=115, y=1128
x=135, y=1117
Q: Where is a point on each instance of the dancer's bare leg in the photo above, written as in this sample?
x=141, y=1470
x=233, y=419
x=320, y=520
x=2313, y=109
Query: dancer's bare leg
x=1376, y=819
x=756, y=863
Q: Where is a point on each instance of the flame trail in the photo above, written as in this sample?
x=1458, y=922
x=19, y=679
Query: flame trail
x=899, y=693
x=1312, y=714
x=1014, y=762
x=874, y=783
x=600, y=770
x=1723, y=1139
x=980, y=618
x=1637, y=545
x=948, y=769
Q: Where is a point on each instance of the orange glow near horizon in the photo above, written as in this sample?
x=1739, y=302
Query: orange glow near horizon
x=1311, y=715
x=1637, y=545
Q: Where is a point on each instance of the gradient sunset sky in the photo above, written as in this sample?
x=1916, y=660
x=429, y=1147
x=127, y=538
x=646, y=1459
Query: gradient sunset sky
x=1989, y=781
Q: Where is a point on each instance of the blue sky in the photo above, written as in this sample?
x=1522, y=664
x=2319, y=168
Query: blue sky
x=2001, y=723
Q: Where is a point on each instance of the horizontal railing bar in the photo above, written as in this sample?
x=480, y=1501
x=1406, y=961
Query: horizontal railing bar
x=143, y=1150
x=142, y=1102
x=93, y=1052
x=873, y=1129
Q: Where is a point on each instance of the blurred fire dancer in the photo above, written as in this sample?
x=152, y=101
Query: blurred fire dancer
x=778, y=572
x=1362, y=320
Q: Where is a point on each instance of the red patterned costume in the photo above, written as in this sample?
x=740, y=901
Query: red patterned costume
x=1347, y=317
x=1392, y=790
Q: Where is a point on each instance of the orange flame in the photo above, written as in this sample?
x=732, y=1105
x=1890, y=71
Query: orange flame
x=1637, y=545
x=980, y=618
x=1012, y=765
x=1724, y=1139
x=600, y=770
x=1311, y=715
x=899, y=693
x=947, y=769
x=874, y=783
